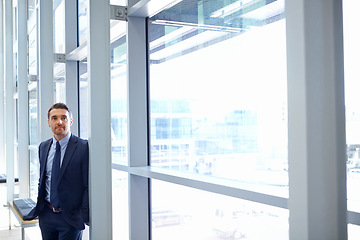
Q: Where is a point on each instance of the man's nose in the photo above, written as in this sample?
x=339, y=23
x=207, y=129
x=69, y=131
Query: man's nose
x=60, y=122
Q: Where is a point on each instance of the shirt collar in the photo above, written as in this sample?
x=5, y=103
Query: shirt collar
x=63, y=141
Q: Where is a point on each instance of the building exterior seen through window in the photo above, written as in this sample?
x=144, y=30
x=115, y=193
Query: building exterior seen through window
x=218, y=107
x=218, y=103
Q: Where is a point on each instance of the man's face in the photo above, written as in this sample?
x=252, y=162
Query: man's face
x=59, y=121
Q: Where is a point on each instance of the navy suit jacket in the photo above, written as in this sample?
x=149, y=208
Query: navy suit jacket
x=72, y=184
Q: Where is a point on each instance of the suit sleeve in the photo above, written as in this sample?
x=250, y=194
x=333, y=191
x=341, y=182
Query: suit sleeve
x=85, y=175
x=40, y=167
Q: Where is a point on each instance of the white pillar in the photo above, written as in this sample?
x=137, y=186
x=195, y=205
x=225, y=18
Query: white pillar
x=98, y=40
x=23, y=127
x=46, y=67
x=137, y=127
x=2, y=96
x=317, y=154
x=9, y=98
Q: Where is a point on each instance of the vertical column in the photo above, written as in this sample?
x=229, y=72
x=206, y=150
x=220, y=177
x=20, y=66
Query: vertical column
x=2, y=96
x=46, y=67
x=317, y=154
x=99, y=119
x=23, y=141
x=9, y=98
x=138, y=127
x=71, y=74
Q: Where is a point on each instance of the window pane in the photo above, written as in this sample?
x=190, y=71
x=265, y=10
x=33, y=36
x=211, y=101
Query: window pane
x=118, y=2
x=33, y=140
x=34, y=172
x=119, y=101
x=82, y=21
x=352, y=98
x=59, y=26
x=59, y=82
x=180, y=212
x=352, y=108
x=120, y=205
x=32, y=38
x=83, y=99
x=218, y=102
x=33, y=125
x=353, y=232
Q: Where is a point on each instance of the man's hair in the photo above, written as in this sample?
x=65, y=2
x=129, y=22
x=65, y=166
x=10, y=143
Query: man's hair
x=60, y=106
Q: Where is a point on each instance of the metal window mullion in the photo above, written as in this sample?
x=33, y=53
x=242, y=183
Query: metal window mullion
x=99, y=119
x=137, y=127
x=46, y=67
x=23, y=139
x=317, y=154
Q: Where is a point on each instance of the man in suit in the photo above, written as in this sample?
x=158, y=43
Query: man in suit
x=63, y=199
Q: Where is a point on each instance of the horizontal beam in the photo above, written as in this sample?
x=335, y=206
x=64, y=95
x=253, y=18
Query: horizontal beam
x=211, y=184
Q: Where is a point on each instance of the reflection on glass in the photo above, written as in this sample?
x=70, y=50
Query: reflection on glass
x=218, y=99
x=83, y=99
x=59, y=26
x=120, y=205
x=82, y=21
x=119, y=103
x=180, y=212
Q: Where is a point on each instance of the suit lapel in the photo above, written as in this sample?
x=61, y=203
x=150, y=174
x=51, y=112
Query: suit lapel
x=72, y=144
x=45, y=154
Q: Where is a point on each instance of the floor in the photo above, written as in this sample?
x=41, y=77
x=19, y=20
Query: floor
x=32, y=233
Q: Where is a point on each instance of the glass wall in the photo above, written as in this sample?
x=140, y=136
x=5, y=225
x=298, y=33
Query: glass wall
x=218, y=103
x=218, y=107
